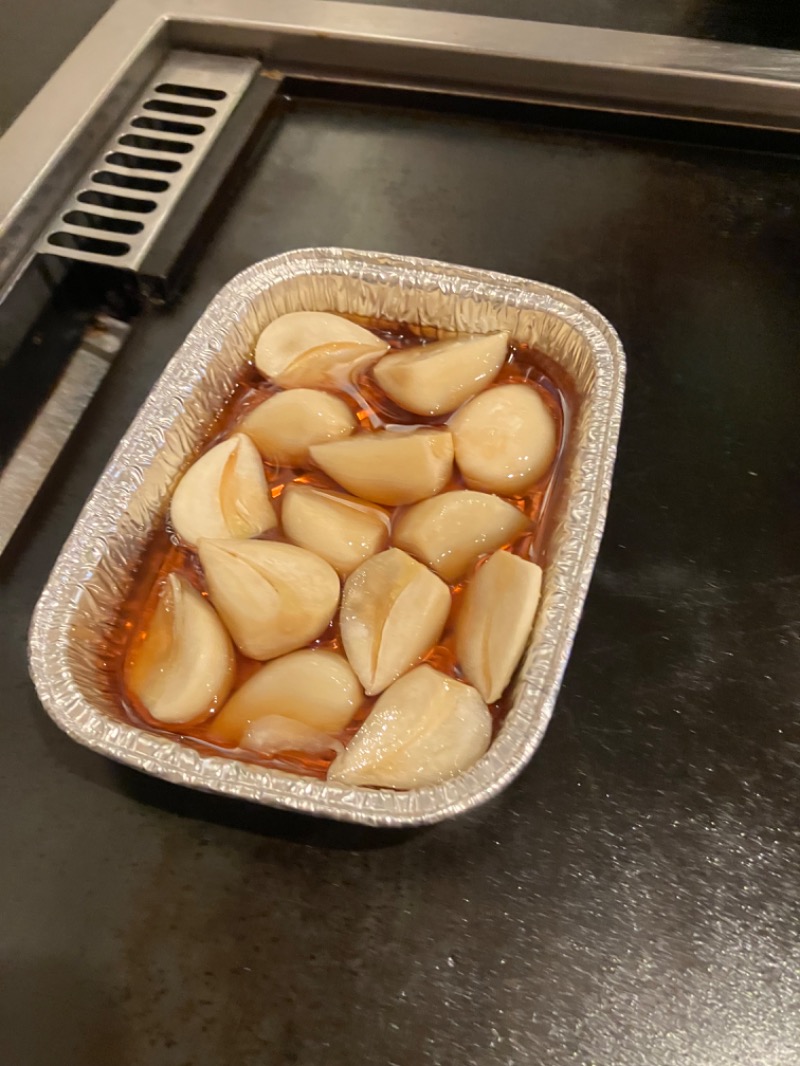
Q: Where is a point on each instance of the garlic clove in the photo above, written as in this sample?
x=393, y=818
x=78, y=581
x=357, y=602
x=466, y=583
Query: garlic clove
x=393, y=611
x=496, y=620
x=310, y=348
x=505, y=439
x=424, y=729
x=341, y=529
x=274, y=734
x=436, y=378
x=223, y=494
x=449, y=532
x=285, y=425
x=314, y=686
x=273, y=597
x=184, y=667
x=389, y=466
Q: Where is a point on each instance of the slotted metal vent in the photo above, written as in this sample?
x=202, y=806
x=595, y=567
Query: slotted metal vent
x=116, y=210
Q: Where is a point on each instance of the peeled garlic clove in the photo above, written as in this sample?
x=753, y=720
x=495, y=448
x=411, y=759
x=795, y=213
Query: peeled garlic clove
x=424, y=729
x=450, y=531
x=342, y=529
x=436, y=378
x=308, y=348
x=393, y=611
x=273, y=734
x=184, y=667
x=315, y=686
x=505, y=439
x=273, y=597
x=284, y=426
x=496, y=620
x=389, y=466
x=224, y=493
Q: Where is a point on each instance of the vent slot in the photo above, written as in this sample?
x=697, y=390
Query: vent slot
x=142, y=162
x=78, y=243
x=157, y=163
x=165, y=125
x=172, y=107
x=155, y=144
x=111, y=223
x=115, y=203
x=128, y=181
x=194, y=91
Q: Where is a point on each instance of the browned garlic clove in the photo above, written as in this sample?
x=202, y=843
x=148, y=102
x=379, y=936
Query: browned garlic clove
x=389, y=466
x=436, y=378
x=184, y=667
x=341, y=529
x=393, y=612
x=273, y=597
x=505, y=439
x=224, y=493
x=450, y=531
x=284, y=426
x=274, y=734
x=424, y=729
x=496, y=620
x=311, y=348
x=314, y=686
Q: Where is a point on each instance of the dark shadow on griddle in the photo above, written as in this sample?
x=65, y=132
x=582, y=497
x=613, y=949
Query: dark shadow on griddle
x=769, y=23
x=218, y=810
x=265, y=821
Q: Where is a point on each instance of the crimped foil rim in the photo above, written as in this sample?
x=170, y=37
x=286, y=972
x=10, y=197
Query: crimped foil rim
x=568, y=573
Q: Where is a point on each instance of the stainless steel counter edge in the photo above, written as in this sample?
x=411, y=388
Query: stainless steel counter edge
x=44, y=150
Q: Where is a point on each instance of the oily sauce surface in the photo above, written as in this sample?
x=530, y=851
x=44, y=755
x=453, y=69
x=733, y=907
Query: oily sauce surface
x=165, y=554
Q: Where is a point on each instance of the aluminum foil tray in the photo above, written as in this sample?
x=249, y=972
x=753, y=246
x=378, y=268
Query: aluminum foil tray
x=76, y=612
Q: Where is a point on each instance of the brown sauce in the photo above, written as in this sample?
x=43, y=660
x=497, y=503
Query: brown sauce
x=165, y=554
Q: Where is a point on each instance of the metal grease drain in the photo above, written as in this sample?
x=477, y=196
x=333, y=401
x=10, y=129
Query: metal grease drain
x=114, y=213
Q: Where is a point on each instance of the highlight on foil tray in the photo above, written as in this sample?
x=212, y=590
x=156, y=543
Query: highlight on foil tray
x=349, y=572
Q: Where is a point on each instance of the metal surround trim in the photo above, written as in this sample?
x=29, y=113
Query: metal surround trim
x=77, y=611
x=231, y=76
x=50, y=142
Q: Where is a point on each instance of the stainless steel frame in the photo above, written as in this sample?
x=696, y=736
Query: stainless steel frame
x=56, y=137
x=44, y=152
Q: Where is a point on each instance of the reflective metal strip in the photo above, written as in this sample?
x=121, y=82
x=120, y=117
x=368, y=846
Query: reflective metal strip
x=38, y=450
